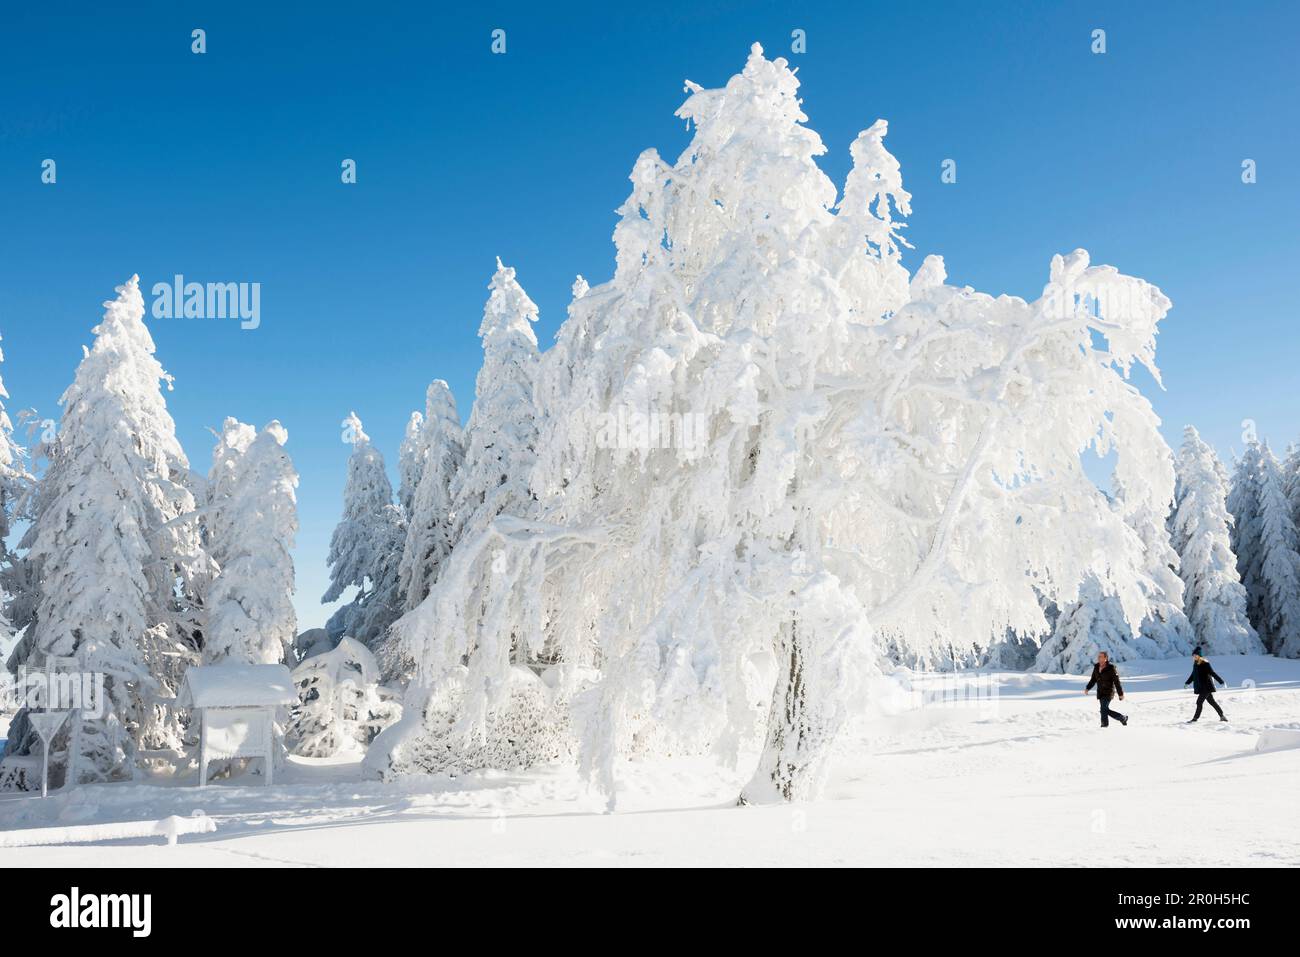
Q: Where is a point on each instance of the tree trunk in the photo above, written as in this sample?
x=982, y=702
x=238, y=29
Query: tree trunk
x=798, y=737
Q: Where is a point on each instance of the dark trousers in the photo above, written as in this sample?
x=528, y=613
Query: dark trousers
x=1200, y=703
x=1107, y=714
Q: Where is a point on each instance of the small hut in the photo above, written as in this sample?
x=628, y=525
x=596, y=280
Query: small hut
x=236, y=704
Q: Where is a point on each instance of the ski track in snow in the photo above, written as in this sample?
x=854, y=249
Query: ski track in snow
x=1031, y=781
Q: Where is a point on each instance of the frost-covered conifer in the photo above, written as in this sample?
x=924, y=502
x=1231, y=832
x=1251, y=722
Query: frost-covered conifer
x=410, y=462
x=16, y=484
x=366, y=547
x=1099, y=621
x=341, y=705
x=15, y=479
x=1265, y=541
x=253, y=520
x=429, y=529
x=115, y=543
x=501, y=435
x=1291, y=482
x=1164, y=630
x=1213, y=597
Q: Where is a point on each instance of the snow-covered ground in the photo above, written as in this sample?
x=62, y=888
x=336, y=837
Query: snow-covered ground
x=1031, y=781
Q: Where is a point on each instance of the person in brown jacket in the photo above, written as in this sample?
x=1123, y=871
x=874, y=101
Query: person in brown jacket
x=1106, y=678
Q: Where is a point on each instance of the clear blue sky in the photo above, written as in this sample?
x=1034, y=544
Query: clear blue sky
x=225, y=167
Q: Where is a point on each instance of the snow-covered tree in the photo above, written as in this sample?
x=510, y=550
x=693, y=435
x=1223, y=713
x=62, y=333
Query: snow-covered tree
x=341, y=704
x=1214, y=598
x=1165, y=625
x=429, y=529
x=115, y=543
x=1099, y=620
x=1094, y=623
x=252, y=521
x=501, y=435
x=410, y=462
x=225, y=479
x=16, y=484
x=366, y=547
x=529, y=728
x=864, y=453
x=1291, y=482
x=1265, y=541
x=15, y=479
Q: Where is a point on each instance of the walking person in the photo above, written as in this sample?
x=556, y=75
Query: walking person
x=1202, y=681
x=1106, y=678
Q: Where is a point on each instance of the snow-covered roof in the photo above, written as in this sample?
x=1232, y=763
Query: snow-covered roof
x=236, y=686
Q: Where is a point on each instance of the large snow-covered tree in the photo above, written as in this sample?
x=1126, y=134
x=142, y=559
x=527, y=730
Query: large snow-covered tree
x=501, y=434
x=251, y=520
x=1214, y=598
x=876, y=453
x=1265, y=541
x=429, y=537
x=115, y=545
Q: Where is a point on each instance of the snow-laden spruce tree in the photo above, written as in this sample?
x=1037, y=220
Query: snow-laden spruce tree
x=252, y=519
x=1165, y=629
x=15, y=479
x=410, y=462
x=1265, y=541
x=429, y=528
x=116, y=547
x=16, y=485
x=366, y=547
x=1094, y=623
x=1291, y=482
x=1099, y=620
x=1213, y=598
x=225, y=480
x=341, y=704
x=501, y=434
x=826, y=448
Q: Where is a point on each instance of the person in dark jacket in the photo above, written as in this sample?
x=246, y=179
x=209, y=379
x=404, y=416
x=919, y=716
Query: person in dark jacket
x=1106, y=678
x=1202, y=681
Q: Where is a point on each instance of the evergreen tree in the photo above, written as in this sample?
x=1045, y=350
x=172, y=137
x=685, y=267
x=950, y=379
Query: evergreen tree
x=429, y=537
x=121, y=569
x=410, y=463
x=1214, y=598
x=341, y=706
x=501, y=435
x=366, y=547
x=1265, y=541
x=1164, y=631
x=16, y=483
x=1096, y=622
x=254, y=520
x=1291, y=482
